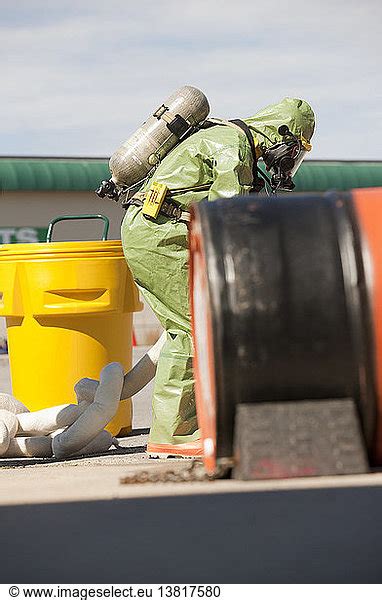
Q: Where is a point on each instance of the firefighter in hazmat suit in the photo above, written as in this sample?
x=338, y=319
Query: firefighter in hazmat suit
x=212, y=163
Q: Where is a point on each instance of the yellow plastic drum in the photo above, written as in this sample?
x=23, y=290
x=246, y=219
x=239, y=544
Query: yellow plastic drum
x=69, y=309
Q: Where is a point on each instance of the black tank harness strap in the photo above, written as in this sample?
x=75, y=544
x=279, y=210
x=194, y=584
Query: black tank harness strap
x=257, y=182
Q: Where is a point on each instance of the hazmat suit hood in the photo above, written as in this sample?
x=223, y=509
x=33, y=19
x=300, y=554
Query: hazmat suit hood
x=293, y=112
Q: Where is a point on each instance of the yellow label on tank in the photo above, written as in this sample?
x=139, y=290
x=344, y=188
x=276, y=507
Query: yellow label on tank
x=154, y=199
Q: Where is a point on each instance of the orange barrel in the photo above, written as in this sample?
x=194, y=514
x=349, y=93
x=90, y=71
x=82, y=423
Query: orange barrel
x=69, y=310
x=286, y=301
x=368, y=215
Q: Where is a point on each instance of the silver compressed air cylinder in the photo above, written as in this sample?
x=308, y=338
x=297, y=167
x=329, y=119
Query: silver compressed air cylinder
x=135, y=158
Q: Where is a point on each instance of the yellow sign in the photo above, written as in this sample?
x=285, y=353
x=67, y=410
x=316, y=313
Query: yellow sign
x=154, y=199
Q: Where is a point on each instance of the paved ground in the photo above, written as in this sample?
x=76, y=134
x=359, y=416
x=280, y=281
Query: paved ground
x=74, y=521
x=32, y=481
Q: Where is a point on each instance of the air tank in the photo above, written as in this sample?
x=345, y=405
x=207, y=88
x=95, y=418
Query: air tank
x=177, y=117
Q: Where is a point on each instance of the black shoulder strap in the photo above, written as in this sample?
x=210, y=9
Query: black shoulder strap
x=258, y=182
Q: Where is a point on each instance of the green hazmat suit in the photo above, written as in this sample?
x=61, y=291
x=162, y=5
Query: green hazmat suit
x=212, y=163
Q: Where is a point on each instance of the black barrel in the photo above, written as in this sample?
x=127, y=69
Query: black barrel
x=288, y=303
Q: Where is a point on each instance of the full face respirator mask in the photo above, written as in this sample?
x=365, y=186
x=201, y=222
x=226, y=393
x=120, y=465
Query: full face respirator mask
x=283, y=159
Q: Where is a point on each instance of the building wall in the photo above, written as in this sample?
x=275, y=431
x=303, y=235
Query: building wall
x=36, y=209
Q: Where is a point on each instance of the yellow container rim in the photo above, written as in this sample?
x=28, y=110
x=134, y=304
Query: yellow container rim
x=54, y=250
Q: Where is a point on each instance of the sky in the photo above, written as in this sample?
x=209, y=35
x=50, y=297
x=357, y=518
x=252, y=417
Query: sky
x=78, y=77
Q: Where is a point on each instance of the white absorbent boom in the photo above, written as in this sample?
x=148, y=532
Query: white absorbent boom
x=72, y=429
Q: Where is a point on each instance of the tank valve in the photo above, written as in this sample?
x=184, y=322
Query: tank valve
x=109, y=189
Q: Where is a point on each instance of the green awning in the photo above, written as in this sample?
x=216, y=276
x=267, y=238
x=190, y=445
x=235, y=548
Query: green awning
x=52, y=174
x=81, y=174
x=316, y=176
